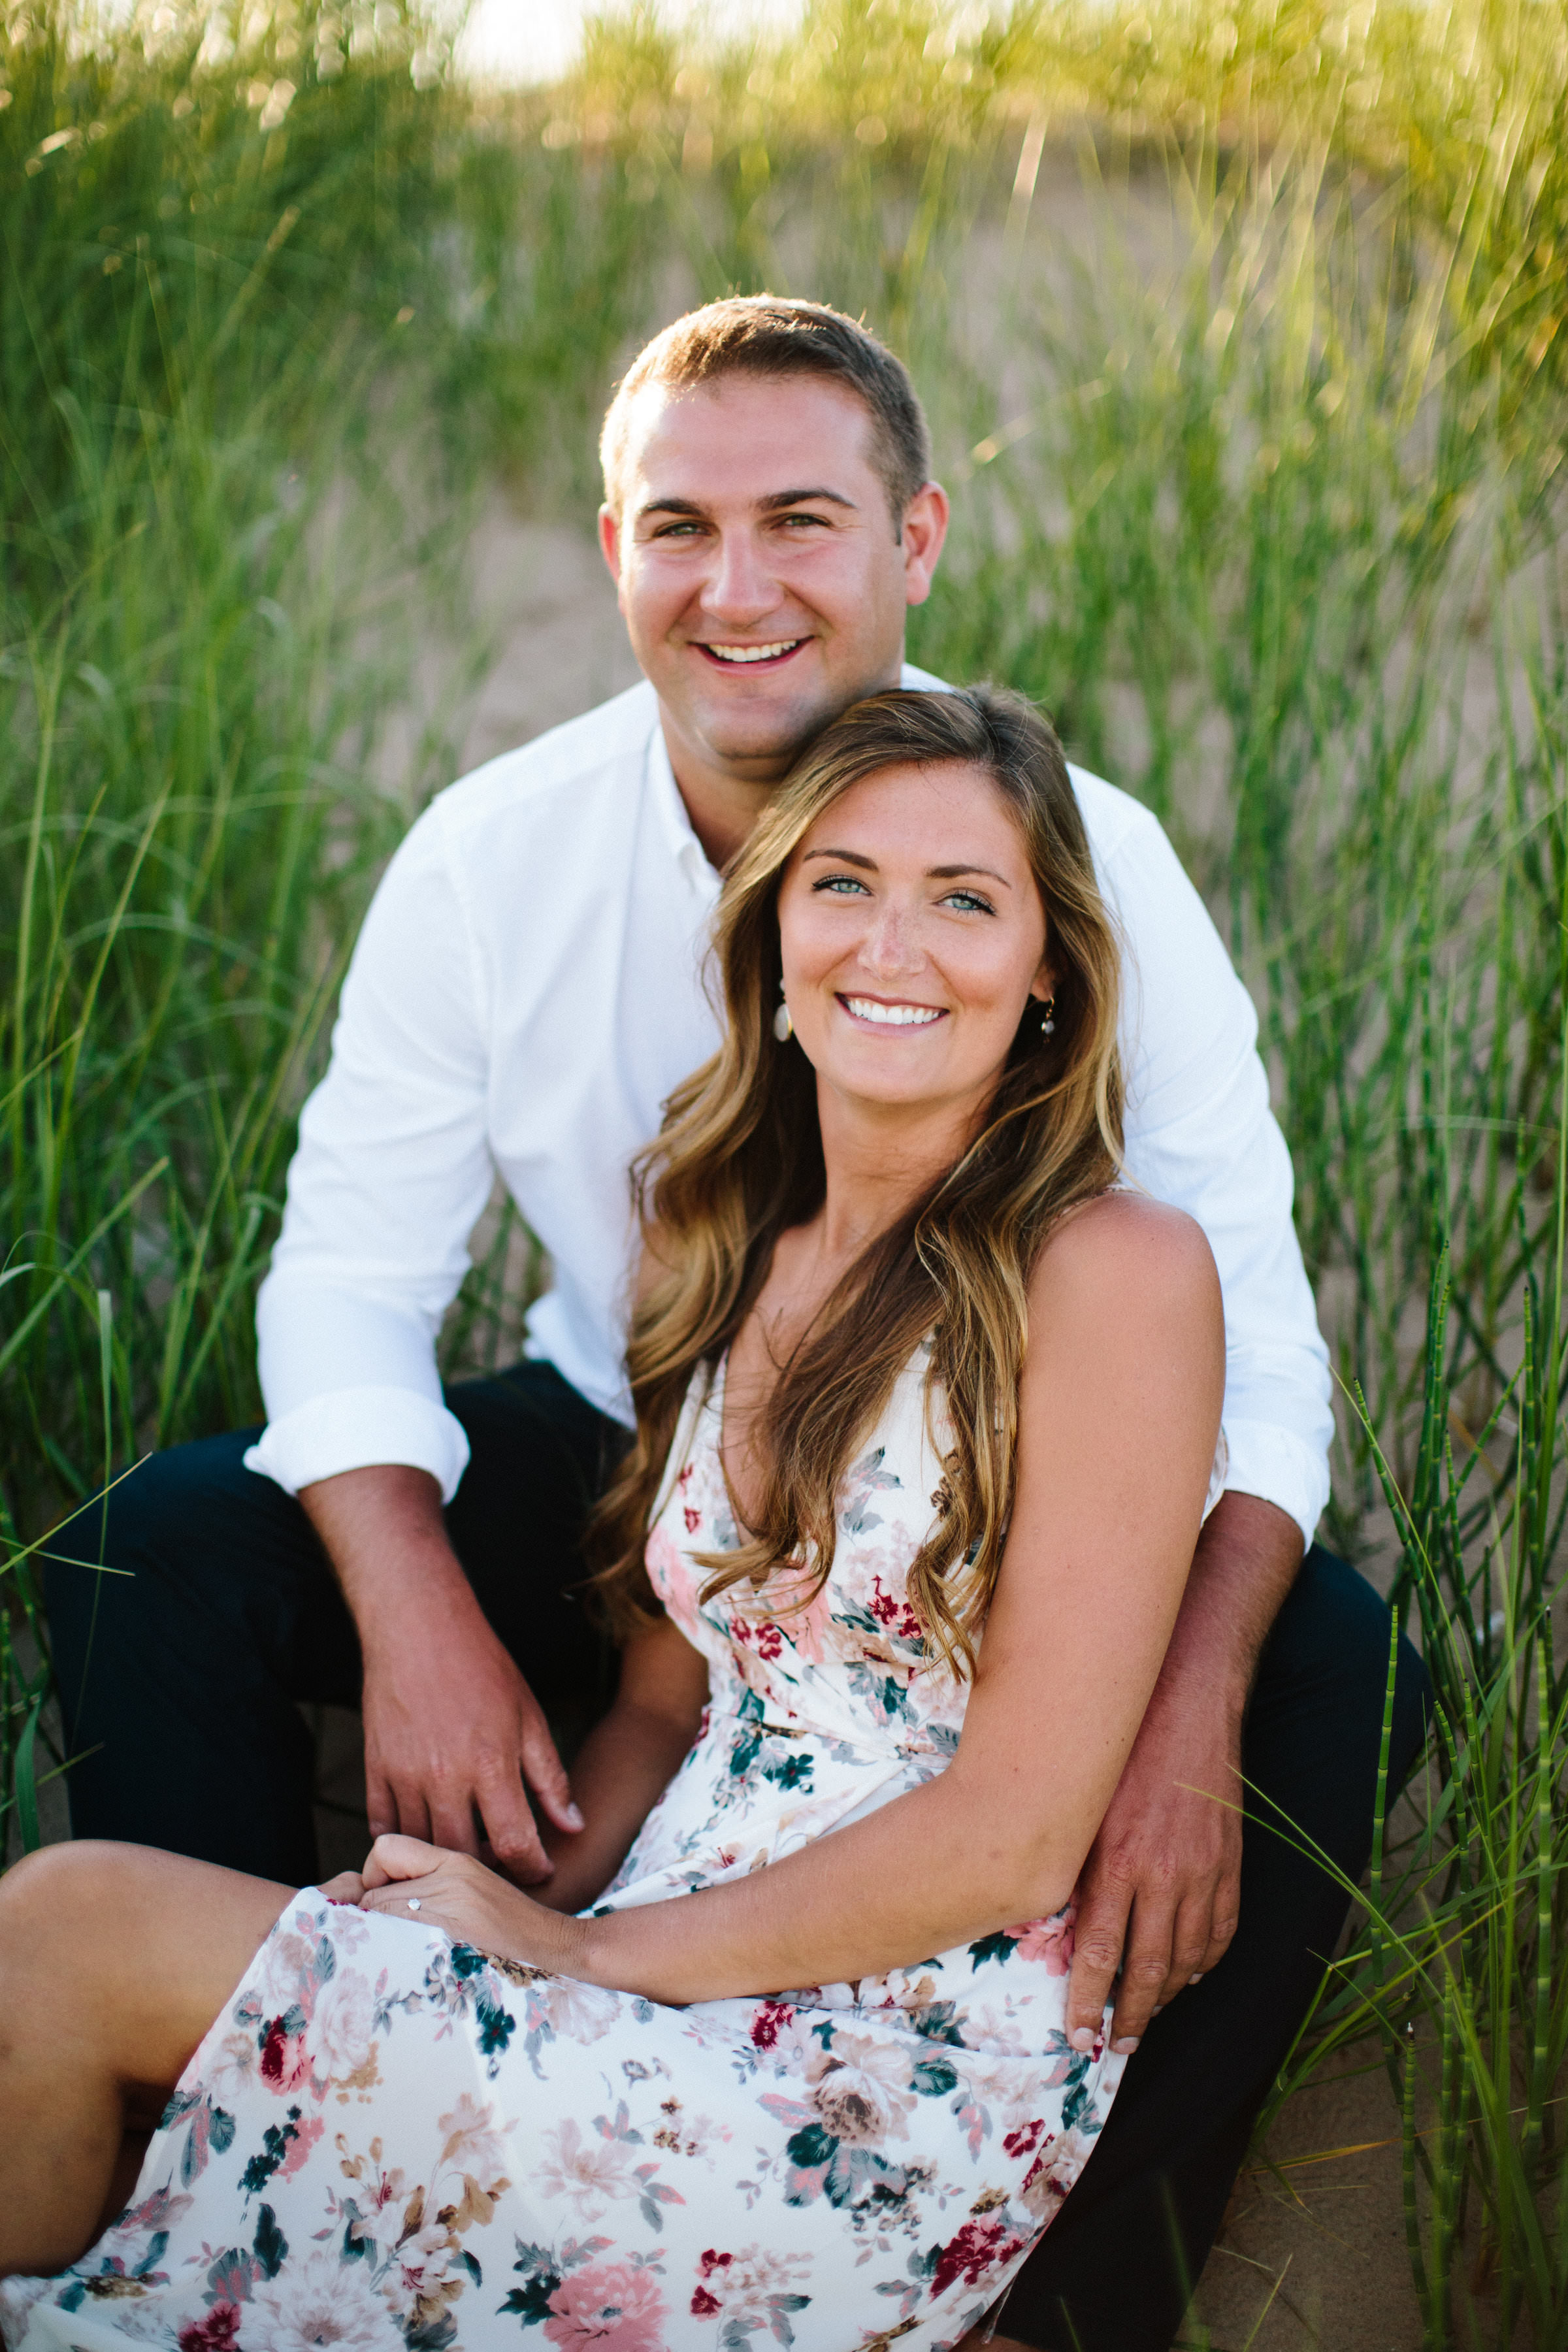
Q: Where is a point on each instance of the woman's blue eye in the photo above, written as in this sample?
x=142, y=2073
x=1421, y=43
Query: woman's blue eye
x=967, y=898
x=843, y=882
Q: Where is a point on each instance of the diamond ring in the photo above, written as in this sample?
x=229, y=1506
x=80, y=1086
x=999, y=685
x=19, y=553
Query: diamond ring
x=414, y=1902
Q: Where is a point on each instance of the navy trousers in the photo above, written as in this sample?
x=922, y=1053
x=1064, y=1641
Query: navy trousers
x=181, y=1682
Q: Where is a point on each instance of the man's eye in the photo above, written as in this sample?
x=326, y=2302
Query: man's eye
x=677, y=531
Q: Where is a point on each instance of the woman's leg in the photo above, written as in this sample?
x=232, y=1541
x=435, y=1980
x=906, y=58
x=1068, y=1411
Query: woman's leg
x=114, y=1960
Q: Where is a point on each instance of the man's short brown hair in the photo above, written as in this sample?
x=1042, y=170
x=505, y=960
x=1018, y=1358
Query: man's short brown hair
x=773, y=335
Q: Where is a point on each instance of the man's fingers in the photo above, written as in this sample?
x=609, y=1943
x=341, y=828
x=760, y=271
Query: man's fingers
x=1145, y=1969
x=1224, y=1922
x=452, y=1817
x=511, y=1831
x=546, y=1775
x=1097, y=1939
x=1190, y=1947
x=380, y=1803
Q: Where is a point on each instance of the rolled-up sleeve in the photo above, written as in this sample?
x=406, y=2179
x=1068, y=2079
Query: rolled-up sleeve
x=1201, y=1135
x=392, y=1172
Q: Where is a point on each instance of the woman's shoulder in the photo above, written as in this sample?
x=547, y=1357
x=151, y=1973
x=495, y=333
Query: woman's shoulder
x=1122, y=1248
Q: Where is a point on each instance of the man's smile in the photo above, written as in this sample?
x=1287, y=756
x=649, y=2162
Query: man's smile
x=736, y=656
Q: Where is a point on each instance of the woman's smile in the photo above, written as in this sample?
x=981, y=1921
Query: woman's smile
x=881, y=1013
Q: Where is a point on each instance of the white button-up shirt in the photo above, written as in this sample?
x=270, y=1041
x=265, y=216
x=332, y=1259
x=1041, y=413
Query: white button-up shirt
x=525, y=992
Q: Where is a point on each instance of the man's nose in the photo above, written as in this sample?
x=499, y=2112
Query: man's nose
x=740, y=587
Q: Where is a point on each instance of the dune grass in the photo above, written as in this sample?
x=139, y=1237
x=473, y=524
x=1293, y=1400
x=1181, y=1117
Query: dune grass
x=1240, y=339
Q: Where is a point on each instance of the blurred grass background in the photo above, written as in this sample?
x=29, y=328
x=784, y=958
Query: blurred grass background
x=1241, y=337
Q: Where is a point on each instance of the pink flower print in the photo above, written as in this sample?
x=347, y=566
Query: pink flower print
x=752, y=2288
x=771, y=2018
x=980, y=2247
x=321, y=2302
x=1053, y=2172
x=215, y=2333
x=693, y=1519
x=341, y=2031
x=671, y=1576
x=1050, y=1940
x=862, y=2090
x=760, y=1635
x=306, y=2134
x=894, y=1612
x=284, y=2065
x=806, y=1619
x=608, y=2307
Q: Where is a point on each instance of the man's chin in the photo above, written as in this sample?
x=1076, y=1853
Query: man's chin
x=765, y=743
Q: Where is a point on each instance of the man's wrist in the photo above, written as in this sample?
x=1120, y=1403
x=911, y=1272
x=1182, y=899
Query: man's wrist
x=418, y=1590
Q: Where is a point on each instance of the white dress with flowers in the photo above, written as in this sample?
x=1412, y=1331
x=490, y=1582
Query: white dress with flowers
x=390, y=2143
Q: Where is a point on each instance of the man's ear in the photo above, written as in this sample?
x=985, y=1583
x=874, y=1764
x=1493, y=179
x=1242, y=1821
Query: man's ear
x=610, y=542
x=925, y=528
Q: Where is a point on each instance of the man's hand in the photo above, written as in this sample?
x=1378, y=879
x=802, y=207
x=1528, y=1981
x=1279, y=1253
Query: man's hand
x=451, y=1729
x=1160, y=1896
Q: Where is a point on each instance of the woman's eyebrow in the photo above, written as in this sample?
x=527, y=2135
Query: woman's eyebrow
x=933, y=873
x=951, y=873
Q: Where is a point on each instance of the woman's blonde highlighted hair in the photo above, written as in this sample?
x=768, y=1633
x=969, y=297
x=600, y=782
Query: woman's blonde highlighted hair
x=738, y=1159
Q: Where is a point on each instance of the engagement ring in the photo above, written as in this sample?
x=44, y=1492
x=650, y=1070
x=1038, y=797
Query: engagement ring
x=414, y=1902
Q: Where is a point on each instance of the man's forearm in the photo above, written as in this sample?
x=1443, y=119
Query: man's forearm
x=382, y=1530
x=1246, y=1562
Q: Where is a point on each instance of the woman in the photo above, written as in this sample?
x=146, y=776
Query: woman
x=908, y=1372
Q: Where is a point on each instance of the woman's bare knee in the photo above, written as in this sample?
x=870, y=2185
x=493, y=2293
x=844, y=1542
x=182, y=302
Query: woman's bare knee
x=149, y=1945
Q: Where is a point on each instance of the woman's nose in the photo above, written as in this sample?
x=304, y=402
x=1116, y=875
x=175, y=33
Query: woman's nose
x=892, y=946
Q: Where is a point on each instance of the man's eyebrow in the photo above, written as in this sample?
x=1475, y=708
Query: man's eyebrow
x=772, y=503
x=777, y=499
x=933, y=873
x=669, y=505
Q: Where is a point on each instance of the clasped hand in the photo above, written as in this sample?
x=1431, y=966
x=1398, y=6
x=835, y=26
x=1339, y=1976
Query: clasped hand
x=458, y=1895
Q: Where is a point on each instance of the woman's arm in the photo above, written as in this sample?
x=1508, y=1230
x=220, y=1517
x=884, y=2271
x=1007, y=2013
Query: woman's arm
x=1117, y=1414
x=626, y=1762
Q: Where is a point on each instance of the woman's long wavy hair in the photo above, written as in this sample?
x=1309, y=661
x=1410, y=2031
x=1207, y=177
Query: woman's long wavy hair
x=738, y=1159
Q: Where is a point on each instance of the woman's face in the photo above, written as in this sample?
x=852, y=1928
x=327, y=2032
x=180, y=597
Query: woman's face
x=912, y=937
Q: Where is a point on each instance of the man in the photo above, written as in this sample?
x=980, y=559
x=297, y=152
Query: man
x=526, y=991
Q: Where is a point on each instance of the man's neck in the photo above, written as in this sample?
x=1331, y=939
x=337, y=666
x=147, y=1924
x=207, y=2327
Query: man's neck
x=725, y=800
x=722, y=808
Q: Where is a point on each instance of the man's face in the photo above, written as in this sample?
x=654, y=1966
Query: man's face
x=762, y=574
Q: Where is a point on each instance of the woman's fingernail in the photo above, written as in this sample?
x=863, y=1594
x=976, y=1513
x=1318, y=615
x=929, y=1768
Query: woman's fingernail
x=1126, y=2045
x=1197, y=1980
x=1081, y=2038
x=574, y=1817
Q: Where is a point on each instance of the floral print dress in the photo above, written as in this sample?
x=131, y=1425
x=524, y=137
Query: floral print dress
x=388, y=2142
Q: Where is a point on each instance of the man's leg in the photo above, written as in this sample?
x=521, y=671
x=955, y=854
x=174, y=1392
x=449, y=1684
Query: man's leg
x=1114, y=2271
x=179, y=1677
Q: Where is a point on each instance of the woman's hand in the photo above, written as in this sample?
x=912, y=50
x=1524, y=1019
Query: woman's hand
x=403, y=1876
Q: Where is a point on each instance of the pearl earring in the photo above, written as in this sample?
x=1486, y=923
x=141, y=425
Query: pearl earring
x=783, y=1027
x=1047, y=1023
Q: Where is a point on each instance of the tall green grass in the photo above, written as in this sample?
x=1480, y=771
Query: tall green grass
x=1239, y=335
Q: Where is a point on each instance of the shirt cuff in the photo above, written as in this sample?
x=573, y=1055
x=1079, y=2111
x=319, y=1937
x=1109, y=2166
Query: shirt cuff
x=1280, y=1468
x=359, y=1429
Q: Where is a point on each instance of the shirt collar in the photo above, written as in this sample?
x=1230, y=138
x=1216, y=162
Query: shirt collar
x=687, y=850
